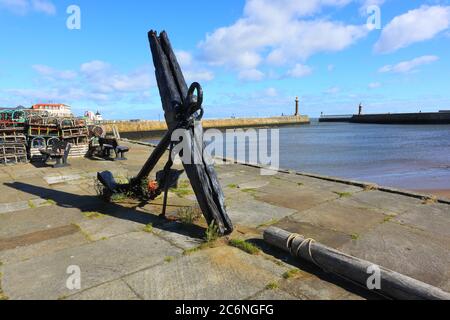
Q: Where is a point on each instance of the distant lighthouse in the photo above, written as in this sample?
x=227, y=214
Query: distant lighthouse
x=297, y=101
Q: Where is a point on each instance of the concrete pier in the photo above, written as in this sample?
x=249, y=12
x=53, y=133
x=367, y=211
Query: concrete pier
x=160, y=126
x=51, y=219
x=393, y=118
x=404, y=118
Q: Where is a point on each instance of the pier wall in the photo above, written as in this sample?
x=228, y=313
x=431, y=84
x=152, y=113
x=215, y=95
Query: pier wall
x=160, y=126
x=394, y=118
x=337, y=119
x=404, y=118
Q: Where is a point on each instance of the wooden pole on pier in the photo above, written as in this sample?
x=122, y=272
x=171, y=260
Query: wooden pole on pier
x=392, y=284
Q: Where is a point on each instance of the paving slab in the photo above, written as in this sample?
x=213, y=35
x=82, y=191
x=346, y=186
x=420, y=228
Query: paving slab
x=18, y=190
x=236, y=177
x=105, y=227
x=343, y=216
x=388, y=202
x=254, y=213
x=64, y=195
x=4, y=174
x=102, y=261
x=37, y=219
x=433, y=218
x=445, y=285
x=23, y=205
x=256, y=184
x=222, y=273
x=317, y=184
x=115, y=290
x=57, y=179
x=23, y=253
x=274, y=295
x=298, y=198
x=309, y=287
x=36, y=237
x=179, y=235
x=24, y=171
x=405, y=250
x=324, y=235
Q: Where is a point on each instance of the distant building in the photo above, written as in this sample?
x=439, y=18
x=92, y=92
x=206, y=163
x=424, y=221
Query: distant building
x=94, y=117
x=98, y=116
x=54, y=109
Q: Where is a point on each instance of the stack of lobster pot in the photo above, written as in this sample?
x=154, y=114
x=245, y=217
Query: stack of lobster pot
x=75, y=132
x=42, y=132
x=13, y=143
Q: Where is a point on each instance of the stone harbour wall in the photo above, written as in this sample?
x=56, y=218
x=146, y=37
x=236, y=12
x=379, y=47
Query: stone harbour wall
x=159, y=126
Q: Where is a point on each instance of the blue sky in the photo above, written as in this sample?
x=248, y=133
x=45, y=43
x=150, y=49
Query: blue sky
x=252, y=57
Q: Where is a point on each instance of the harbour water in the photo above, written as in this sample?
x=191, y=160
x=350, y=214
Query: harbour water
x=415, y=157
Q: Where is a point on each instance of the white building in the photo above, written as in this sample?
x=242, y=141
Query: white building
x=54, y=109
x=94, y=117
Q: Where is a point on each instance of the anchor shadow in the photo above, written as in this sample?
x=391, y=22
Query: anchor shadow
x=87, y=203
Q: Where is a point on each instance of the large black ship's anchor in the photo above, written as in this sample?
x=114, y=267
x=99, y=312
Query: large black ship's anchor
x=183, y=110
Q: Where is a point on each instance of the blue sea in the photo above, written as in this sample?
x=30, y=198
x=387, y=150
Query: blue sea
x=415, y=157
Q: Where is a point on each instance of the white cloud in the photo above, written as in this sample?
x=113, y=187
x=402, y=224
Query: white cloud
x=15, y=6
x=184, y=58
x=251, y=75
x=104, y=79
x=96, y=81
x=44, y=6
x=408, y=66
x=414, y=26
x=23, y=7
x=299, y=71
x=367, y=3
x=191, y=76
x=94, y=67
x=274, y=32
x=138, y=80
x=53, y=74
x=191, y=69
x=271, y=92
x=271, y=10
x=61, y=94
x=374, y=85
x=332, y=90
x=100, y=82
